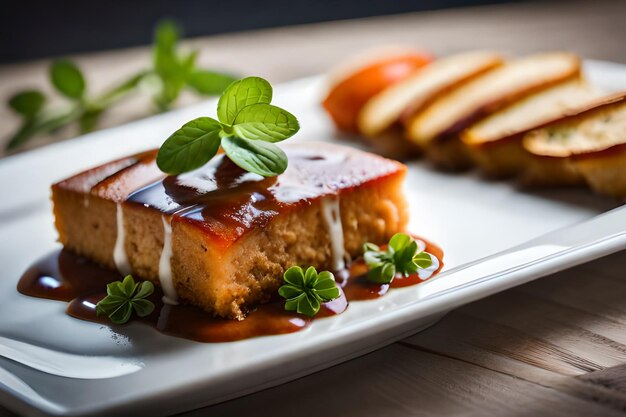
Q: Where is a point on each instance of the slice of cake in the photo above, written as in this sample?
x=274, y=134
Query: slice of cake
x=220, y=237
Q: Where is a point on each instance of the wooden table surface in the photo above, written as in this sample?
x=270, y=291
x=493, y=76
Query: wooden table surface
x=554, y=347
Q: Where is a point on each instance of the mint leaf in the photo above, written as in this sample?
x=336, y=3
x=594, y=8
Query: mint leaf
x=305, y=291
x=27, y=103
x=209, y=83
x=263, y=158
x=249, y=125
x=265, y=122
x=242, y=93
x=67, y=79
x=190, y=147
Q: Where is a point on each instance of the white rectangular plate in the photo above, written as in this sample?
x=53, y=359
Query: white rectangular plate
x=53, y=364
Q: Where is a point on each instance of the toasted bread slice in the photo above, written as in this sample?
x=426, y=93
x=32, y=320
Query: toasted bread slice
x=352, y=84
x=412, y=94
x=495, y=142
x=453, y=112
x=590, y=141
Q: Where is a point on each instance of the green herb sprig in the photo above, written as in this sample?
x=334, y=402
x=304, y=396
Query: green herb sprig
x=172, y=71
x=246, y=129
x=401, y=256
x=306, y=291
x=125, y=296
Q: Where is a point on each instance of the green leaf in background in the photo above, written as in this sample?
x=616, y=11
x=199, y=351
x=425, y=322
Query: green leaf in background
x=120, y=90
x=44, y=124
x=173, y=69
x=242, y=93
x=209, y=83
x=27, y=103
x=166, y=36
x=67, y=79
x=190, y=147
x=171, y=72
x=89, y=120
x=265, y=122
x=255, y=156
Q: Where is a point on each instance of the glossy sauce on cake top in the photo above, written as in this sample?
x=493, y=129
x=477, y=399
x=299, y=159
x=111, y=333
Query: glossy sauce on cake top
x=225, y=201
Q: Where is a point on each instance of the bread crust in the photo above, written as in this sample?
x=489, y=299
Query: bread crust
x=407, y=97
x=495, y=142
x=601, y=164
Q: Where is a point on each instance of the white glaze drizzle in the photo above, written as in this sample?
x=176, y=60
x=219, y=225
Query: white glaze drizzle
x=332, y=216
x=120, y=258
x=165, y=265
x=426, y=273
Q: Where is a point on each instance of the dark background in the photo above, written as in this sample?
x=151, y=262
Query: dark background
x=35, y=29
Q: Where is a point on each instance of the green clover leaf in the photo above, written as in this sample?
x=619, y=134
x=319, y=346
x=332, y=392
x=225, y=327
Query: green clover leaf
x=305, y=291
x=124, y=297
x=402, y=256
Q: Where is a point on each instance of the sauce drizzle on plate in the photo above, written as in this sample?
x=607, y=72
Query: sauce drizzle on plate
x=65, y=276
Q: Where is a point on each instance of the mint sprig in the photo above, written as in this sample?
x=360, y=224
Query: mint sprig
x=305, y=291
x=246, y=129
x=172, y=71
x=124, y=297
x=402, y=256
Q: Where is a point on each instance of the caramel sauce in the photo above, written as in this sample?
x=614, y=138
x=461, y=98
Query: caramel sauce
x=193, y=323
x=357, y=287
x=65, y=276
x=226, y=202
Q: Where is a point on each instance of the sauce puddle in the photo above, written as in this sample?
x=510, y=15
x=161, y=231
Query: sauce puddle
x=65, y=276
